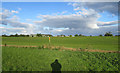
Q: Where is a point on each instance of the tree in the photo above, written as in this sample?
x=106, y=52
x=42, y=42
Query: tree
x=100, y=35
x=12, y=35
x=39, y=35
x=4, y=35
x=76, y=35
x=70, y=35
x=51, y=35
x=26, y=35
x=108, y=34
x=22, y=35
x=90, y=35
x=80, y=35
x=16, y=35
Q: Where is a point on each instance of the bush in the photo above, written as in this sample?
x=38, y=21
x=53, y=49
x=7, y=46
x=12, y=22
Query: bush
x=40, y=47
x=80, y=35
x=70, y=35
x=76, y=35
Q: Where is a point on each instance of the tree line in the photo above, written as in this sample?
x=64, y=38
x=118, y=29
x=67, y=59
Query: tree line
x=15, y=35
x=106, y=34
x=40, y=35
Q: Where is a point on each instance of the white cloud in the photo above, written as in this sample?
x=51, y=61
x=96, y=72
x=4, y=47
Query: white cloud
x=13, y=11
x=14, y=21
x=59, y=30
x=14, y=18
x=5, y=14
x=12, y=30
x=73, y=21
x=101, y=30
x=97, y=6
x=78, y=8
x=107, y=23
x=82, y=22
x=18, y=30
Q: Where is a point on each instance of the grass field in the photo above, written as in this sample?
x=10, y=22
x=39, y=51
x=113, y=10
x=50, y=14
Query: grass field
x=102, y=43
x=33, y=59
x=36, y=59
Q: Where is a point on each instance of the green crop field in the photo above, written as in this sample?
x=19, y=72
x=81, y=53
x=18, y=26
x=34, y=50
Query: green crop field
x=33, y=59
x=102, y=43
x=39, y=59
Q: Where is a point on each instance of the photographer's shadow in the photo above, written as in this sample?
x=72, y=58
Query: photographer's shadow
x=56, y=67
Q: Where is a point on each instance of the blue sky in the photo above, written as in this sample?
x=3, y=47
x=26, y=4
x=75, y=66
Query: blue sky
x=32, y=9
x=59, y=18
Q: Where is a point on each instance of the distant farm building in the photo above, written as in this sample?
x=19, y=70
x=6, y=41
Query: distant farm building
x=32, y=35
x=60, y=35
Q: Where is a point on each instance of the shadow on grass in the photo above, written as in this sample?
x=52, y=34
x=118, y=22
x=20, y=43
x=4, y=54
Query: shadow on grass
x=56, y=67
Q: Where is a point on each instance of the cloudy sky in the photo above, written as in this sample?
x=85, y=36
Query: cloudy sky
x=87, y=18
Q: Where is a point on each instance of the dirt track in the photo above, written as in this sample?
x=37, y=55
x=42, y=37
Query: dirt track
x=64, y=48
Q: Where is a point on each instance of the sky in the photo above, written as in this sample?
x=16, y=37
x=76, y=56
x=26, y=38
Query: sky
x=68, y=18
